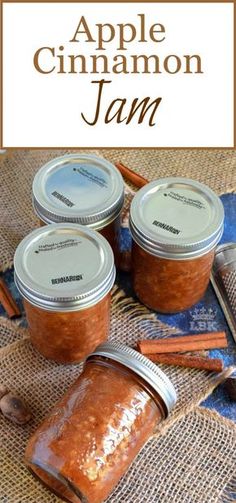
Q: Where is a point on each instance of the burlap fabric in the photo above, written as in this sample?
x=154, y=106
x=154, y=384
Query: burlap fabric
x=190, y=449
x=216, y=168
x=10, y=333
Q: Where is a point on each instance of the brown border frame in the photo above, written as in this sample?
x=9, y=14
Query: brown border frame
x=116, y=1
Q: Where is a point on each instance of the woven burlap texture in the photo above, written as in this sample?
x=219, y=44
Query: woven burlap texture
x=216, y=168
x=10, y=333
x=41, y=382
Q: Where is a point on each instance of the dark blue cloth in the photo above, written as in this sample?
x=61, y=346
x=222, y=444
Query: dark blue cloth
x=205, y=316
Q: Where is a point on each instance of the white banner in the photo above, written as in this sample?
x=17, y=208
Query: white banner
x=118, y=74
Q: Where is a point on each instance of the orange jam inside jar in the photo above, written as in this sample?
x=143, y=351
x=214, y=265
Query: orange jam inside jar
x=175, y=224
x=92, y=435
x=83, y=189
x=65, y=273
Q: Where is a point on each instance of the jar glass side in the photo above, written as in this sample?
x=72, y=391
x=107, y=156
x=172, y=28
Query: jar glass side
x=68, y=337
x=169, y=286
x=95, y=431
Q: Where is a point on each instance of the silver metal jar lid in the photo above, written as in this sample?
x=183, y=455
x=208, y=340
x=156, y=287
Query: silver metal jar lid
x=176, y=218
x=142, y=366
x=78, y=188
x=64, y=267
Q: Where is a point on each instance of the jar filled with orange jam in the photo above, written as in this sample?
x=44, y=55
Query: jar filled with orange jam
x=92, y=435
x=83, y=189
x=175, y=224
x=65, y=273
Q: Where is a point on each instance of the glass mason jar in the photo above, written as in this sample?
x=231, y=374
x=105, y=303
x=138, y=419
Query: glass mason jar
x=83, y=189
x=92, y=435
x=175, y=224
x=65, y=273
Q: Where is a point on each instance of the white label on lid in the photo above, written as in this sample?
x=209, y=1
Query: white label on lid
x=176, y=212
x=63, y=263
x=78, y=185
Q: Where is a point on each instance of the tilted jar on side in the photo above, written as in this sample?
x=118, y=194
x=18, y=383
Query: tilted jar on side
x=92, y=435
x=84, y=189
x=65, y=273
x=175, y=224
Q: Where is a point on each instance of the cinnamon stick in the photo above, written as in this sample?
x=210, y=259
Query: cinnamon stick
x=184, y=343
x=130, y=175
x=7, y=300
x=181, y=360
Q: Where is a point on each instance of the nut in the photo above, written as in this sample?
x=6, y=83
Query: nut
x=14, y=409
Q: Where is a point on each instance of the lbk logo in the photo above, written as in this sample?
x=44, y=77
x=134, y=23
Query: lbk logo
x=203, y=319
